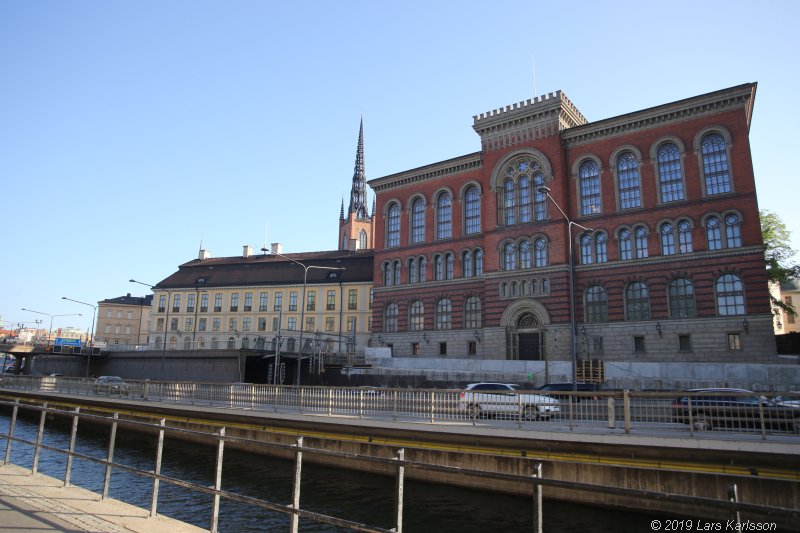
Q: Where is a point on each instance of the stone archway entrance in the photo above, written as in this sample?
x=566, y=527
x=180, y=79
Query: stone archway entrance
x=525, y=321
x=529, y=342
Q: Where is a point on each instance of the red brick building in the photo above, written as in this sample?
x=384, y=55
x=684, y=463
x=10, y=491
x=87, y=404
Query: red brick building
x=471, y=253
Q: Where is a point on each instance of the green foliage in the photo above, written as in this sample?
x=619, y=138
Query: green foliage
x=778, y=255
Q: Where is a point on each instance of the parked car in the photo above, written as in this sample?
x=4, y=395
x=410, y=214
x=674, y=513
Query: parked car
x=568, y=387
x=479, y=399
x=111, y=385
x=790, y=400
x=739, y=409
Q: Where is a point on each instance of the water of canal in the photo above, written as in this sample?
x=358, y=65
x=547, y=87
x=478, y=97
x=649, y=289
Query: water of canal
x=360, y=497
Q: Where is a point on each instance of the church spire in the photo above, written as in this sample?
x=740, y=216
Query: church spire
x=358, y=194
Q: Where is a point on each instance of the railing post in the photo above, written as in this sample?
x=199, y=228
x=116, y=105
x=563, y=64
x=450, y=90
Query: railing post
x=394, y=405
x=73, y=434
x=39, y=436
x=399, y=485
x=111, y=443
x=761, y=418
x=571, y=414
x=11, y=430
x=217, y=481
x=612, y=422
x=626, y=407
x=157, y=471
x=361, y=403
x=330, y=401
x=302, y=391
x=519, y=411
x=298, y=467
x=691, y=421
x=537, y=499
x=433, y=406
x=733, y=495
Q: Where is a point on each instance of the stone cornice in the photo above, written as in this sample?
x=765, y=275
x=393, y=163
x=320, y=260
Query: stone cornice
x=703, y=256
x=741, y=96
x=436, y=170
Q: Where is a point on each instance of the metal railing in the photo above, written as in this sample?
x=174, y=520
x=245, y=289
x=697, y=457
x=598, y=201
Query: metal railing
x=398, y=463
x=663, y=413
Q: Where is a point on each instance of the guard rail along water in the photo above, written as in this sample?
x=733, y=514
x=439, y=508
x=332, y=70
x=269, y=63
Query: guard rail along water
x=219, y=438
x=685, y=412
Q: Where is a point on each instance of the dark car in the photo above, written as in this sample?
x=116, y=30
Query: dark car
x=568, y=387
x=111, y=385
x=738, y=409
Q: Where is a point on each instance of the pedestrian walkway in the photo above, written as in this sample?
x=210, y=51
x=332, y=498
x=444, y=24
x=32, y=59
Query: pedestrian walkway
x=35, y=504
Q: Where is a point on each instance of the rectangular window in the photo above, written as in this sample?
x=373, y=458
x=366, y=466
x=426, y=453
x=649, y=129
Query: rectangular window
x=352, y=299
x=331, y=305
x=472, y=348
x=262, y=323
x=351, y=324
x=311, y=301
x=190, y=301
x=414, y=348
x=292, y=324
x=293, y=301
x=204, y=303
x=597, y=346
x=173, y=324
x=262, y=301
x=246, y=323
x=160, y=325
x=248, y=302
x=216, y=324
x=127, y=330
x=684, y=343
x=234, y=302
x=310, y=323
x=231, y=324
x=188, y=324
x=734, y=341
x=330, y=323
x=162, y=303
x=201, y=324
x=130, y=315
x=275, y=324
x=442, y=348
x=176, y=303
x=638, y=344
x=218, y=303
x=278, y=301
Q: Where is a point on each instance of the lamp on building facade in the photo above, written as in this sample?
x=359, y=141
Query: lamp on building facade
x=573, y=325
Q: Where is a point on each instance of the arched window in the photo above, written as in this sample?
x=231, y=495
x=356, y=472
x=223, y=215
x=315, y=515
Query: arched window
x=641, y=242
x=449, y=263
x=730, y=295
x=231, y=343
x=466, y=264
x=713, y=234
x=202, y=343
x=444, y=216
x=509, y=203
x=509, y=257
x=524, y=254
x=681, y=299
x=362, y=240
x=600, y=248
x=390, y=318
x=418, y=221
x=684, y=237
x=596, y=304
x=444, y=311
x=396, y=273
x=393, y=225
x=438, y=267
x=589, y=178
x=541, y=253
x=629, y=184
x=586, y=249
x=539, y=198
x=625, y=247
x=667, y=239
x=416, y=318
x=715, y=164
x=412, y=270
x=733, y=233
x=637, y=302
x=388, y=274
x=472, y=210
x=245, y=343
x=670, y=175
x=472, y=312
x=345, y=242
x=423, y=265
x=525, y=207
x=479, y=262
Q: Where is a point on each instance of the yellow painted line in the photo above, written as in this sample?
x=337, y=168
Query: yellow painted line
x=790, y=475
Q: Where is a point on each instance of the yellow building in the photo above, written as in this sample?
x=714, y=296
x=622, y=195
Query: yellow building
x=124, y=320
x=248, y=300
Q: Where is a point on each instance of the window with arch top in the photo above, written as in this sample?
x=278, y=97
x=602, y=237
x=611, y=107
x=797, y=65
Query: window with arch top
x=444, y=216
x=393, y=225
x=715, y=164
x=472, y=210
x=730, y=295
x=589, y=184
x=670, y=174
x=417, y=221
x=630, y=194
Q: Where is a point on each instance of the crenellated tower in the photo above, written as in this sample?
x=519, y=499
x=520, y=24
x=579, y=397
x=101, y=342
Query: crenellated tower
x=356, y=228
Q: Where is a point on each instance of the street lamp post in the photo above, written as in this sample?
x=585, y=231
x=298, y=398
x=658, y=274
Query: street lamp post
x=50, y=332
x=573, y=325
x=91, y=342
x=166, y=321
x=306, y=268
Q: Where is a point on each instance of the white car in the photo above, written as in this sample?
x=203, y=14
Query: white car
x=505, y=399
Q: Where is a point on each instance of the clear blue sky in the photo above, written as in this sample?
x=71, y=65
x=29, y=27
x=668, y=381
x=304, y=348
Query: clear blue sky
x=131, y=130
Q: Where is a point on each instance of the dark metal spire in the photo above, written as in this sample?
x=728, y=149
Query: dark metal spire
x=358, y=194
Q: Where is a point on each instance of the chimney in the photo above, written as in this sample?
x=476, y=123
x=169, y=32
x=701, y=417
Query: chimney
x=247, y=250
x=204, y=254
x=277, y=248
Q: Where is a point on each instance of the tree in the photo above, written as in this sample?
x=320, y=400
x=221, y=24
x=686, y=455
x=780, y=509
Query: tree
x=778, y=255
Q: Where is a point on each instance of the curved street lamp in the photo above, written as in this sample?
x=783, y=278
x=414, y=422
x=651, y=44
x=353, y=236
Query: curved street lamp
x=573, y=326
x=50, y=332
x=91, y=342
x=306, y=268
